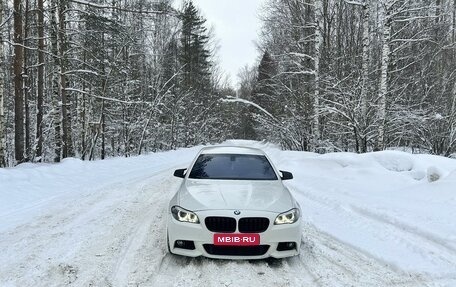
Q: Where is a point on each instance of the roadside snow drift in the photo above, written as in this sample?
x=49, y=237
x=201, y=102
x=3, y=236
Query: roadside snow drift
x=376, y=219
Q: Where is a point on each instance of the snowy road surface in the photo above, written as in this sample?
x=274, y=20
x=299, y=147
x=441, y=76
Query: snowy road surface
x=370, y=220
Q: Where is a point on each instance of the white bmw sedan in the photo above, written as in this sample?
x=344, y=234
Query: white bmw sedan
x=232, y=204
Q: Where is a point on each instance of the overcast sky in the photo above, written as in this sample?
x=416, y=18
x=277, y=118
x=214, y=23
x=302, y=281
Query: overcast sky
x=236, y=27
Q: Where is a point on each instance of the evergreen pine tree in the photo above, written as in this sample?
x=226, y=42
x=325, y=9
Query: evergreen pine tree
x=264, y=93
x=194, y=52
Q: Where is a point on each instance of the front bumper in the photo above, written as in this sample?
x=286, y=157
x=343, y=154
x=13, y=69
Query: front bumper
x=202, y=238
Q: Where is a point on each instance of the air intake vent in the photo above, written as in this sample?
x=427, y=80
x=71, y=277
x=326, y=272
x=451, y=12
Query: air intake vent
x=257, y=250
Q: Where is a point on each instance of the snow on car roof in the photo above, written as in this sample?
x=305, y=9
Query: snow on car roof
x=231, y=149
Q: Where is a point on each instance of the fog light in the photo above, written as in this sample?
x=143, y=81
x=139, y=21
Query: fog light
x=184, y=244
x=284, y=246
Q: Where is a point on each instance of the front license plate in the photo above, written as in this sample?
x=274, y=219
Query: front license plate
x=246, y=239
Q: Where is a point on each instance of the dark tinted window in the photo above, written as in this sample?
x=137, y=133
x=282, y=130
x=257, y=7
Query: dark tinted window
x=233, y=166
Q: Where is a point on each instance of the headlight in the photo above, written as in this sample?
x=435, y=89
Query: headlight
x=184, y=215
x=288, y=217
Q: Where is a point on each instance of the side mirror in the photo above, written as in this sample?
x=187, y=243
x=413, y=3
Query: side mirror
x=180, y=172
x=286, y=175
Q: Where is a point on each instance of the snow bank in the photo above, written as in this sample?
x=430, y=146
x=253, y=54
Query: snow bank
x=27, y=189
x=395, y=206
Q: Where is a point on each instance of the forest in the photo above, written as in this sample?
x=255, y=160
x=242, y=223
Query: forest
x=106, y=78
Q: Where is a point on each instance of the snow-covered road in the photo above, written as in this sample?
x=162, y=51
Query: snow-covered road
x=108, y=227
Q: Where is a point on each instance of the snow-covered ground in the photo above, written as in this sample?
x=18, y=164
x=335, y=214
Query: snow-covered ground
x=377, y=219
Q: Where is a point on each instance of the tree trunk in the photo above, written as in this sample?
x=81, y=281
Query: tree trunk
x=99, y=129
x=55, y=84
x=25, y=81
x=67, y=141
x=364, y=78
x=82, y=116
x=103, y=132
x=318, y=46
x=95, y=132
x=40, y=83
x=18, y=82
x=383, y=90
x=143, y=134
x=2, y=112
x=339, y=39
x=83, y=124
x=437, y=11
x=453, y=35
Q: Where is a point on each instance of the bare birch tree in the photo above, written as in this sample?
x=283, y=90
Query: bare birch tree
x=318, y=4
x=364, y=78
x=2, y=108
x=56, y=71
x=67, y=142
x=385, y=18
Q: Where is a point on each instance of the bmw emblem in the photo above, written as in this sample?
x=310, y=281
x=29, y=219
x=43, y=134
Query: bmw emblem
x=237, y=212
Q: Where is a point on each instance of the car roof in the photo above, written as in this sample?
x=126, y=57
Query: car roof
x=231, y=150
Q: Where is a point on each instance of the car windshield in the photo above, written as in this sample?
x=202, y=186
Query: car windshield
x=233, y=166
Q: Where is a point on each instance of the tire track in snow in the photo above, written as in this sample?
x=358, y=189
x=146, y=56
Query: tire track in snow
x=133, y=244
x=413, y=240
x=144, y=232
x=181, y=271
x=334, y=263
x=56, y=238
x=84, y=233
x=324, y=262
x=423, y=235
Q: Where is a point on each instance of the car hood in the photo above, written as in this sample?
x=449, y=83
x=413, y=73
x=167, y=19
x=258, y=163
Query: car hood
x=207, y=194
